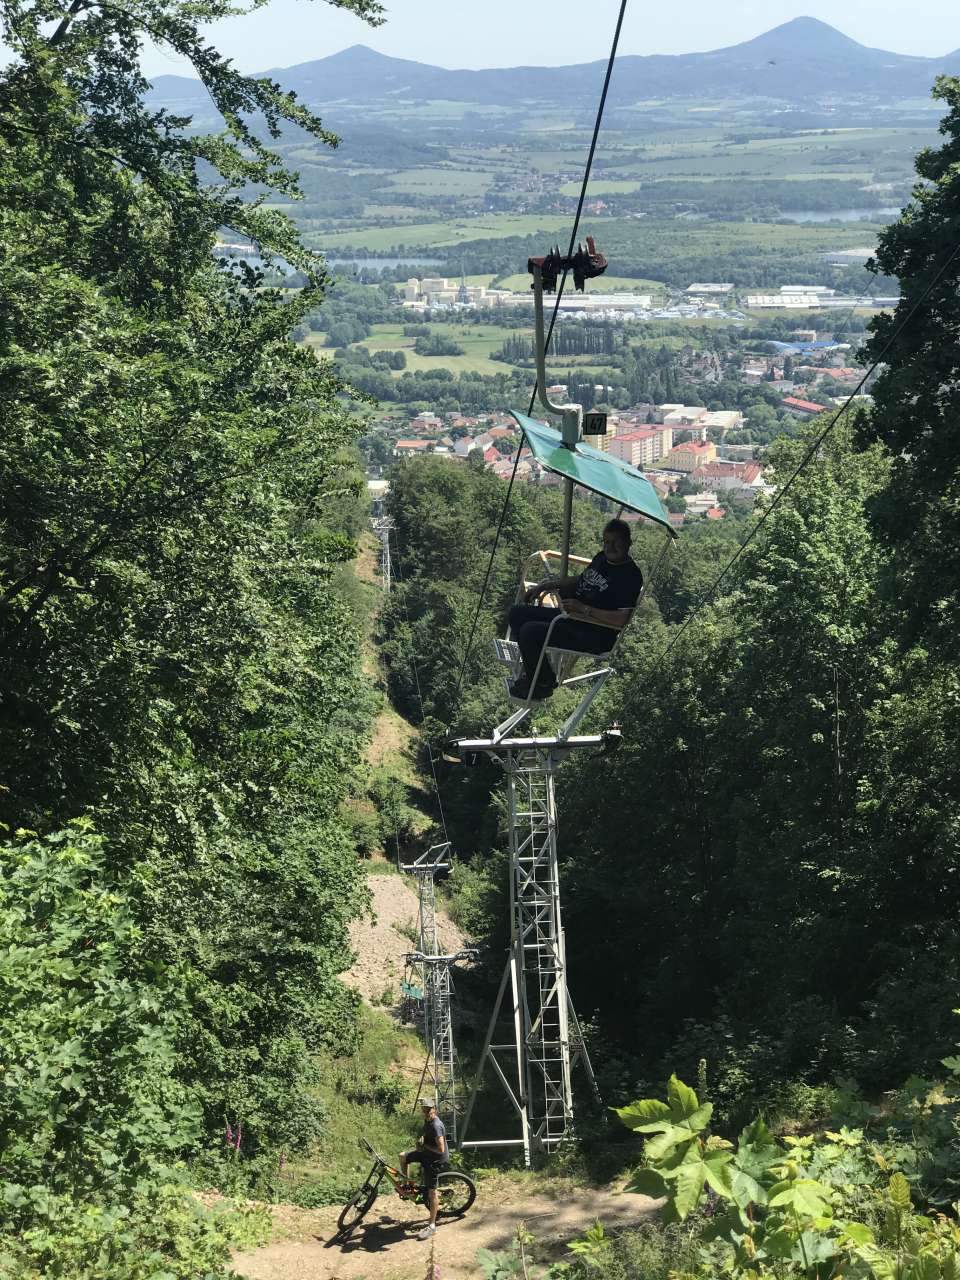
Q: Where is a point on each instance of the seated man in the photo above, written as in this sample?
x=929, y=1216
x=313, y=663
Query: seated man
x=431, y=1154
x=605, y=592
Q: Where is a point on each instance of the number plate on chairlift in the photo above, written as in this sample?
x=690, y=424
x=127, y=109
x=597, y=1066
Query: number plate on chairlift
x=594, y=424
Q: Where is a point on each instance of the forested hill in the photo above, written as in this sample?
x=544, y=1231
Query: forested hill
x=797, y=61
x=762, y=876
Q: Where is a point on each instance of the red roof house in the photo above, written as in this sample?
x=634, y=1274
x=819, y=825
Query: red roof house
x=802, y=406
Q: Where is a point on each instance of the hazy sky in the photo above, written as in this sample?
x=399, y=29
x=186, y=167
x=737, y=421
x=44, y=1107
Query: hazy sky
x=504, y=33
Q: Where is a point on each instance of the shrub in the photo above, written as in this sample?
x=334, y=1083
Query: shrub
x=91, y=1117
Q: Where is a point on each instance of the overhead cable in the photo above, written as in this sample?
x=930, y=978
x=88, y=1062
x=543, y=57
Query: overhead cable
x=553, y=319
x=416, y=677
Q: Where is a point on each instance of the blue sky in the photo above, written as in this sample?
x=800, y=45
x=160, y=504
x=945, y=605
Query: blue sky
x=503, y=33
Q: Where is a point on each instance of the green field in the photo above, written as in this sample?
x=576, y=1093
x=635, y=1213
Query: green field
x=477, y=340
x=442, y=182
x=456, y=231
x=600, y=188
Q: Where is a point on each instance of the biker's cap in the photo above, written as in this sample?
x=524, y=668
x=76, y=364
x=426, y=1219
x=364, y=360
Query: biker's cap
x=427, y=1103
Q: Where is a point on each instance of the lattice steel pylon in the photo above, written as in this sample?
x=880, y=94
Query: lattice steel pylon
x=382, y=527
x=536, y=1067
x=436, y=978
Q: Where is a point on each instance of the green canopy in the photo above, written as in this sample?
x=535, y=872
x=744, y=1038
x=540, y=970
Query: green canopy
x=589, y=467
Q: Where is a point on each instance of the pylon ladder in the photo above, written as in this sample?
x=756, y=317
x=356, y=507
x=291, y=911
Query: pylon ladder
x=537, y=937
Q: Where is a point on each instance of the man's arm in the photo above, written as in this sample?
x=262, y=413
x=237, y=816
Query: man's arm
x=559, y=585
x=589, y=613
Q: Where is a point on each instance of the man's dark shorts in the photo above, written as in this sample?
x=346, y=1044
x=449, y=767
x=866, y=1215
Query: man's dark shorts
x=431, y=1167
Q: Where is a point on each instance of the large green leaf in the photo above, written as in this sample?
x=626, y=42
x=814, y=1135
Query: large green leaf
x=663, y=1144
x=689, y=1185
x=647, y=1182
x=803, y=1195
x=643, y=1116
x=857, y=1232
x=718, y=1167
x=744, y=1188
x=682, y=1099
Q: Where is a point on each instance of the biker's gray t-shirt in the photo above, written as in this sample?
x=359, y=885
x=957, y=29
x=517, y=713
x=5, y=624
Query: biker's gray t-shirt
x=433, y=1130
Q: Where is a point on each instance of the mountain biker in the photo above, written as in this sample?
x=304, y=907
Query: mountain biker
x=431, y=1155
x=604, y=593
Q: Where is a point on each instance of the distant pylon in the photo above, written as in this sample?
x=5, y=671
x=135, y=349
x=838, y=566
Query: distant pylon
x=382, y=527
x=436, y=980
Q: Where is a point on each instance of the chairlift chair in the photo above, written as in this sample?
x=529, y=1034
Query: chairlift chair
x=580, y=465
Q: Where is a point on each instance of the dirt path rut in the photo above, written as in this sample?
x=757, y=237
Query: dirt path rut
x=385, y=1247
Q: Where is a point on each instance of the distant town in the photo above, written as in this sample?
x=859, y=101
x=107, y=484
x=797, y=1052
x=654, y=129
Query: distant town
x=706, y=462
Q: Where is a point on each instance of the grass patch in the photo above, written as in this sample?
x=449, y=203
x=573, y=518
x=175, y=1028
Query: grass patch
x=600, y=188
x=381, y=867
x=479, y=341
x=442, y=182
x=456, y=231
x=370, y=1094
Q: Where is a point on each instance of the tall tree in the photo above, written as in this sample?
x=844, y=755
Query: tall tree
x=174, y=660
x=917, y=395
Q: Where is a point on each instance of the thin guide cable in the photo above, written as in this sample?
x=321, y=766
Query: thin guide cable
x=416, y=677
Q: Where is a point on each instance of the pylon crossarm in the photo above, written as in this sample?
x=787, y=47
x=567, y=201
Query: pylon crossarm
x=504, y=746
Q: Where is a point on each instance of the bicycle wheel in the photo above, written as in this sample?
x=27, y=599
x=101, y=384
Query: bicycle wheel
x=455, y=1194
x=354, y=1210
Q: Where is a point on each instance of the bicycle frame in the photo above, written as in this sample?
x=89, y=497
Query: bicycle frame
x=405, y=1188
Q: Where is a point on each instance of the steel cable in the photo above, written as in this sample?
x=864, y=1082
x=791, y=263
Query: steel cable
x=553, y=319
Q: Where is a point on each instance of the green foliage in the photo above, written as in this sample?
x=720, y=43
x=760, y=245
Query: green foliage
x=797, y=1207
x=916, y=393
x=437, y=345
x=179, y=492
x=160, y=1232
x=88, y=1102
x=92, y=1116
x=362, y=1091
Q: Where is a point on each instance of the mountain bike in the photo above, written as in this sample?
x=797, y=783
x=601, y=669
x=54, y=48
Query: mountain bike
x=455, y=1192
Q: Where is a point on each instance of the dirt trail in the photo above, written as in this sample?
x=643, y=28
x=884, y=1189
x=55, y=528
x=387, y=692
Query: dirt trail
x=381, y=944
x=385, y=1247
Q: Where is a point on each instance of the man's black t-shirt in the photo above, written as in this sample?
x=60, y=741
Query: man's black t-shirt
x=609, y=586
x=432, y=1131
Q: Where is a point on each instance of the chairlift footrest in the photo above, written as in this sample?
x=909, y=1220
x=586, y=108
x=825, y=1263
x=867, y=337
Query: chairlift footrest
x=508, y=652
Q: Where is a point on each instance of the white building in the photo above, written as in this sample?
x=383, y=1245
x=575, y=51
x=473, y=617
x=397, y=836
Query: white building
x=766, y=301
x=617, y=302
x=685, y=415
x=722, y=420
x=438, y=291
x=642, y=447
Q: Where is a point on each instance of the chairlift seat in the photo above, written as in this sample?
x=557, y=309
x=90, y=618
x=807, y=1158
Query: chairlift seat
x=563, y=661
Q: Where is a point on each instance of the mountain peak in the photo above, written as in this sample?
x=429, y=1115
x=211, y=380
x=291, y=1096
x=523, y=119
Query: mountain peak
x=804, y=35
x=358, y=53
